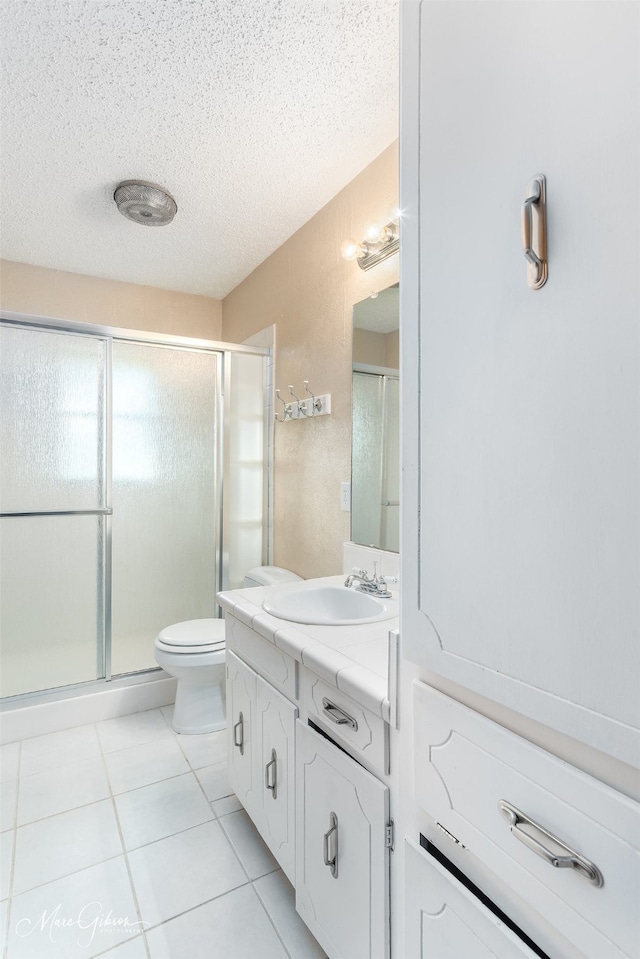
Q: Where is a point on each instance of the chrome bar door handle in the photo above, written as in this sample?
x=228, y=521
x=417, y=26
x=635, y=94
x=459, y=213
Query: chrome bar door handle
x=337, y=715
x=567, y=859
x=331, y=840
x=534, y=232
x=238, y=734
x=272, y=765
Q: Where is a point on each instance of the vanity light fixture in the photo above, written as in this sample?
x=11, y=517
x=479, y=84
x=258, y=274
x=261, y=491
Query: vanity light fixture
x=377, y=245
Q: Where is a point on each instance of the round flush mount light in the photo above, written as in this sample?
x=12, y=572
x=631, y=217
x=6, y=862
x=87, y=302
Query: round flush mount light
x=145, y=203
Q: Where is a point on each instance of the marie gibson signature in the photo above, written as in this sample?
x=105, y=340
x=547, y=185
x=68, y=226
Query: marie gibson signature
x=90, y=920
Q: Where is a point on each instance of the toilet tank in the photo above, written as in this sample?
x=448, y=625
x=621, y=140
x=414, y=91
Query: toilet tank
x=269, y=576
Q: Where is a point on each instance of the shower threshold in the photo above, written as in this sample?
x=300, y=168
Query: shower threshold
x=36, y=714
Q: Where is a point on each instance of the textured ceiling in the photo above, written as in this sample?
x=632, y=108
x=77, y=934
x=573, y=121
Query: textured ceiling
x=379, y=313
x=252, y=114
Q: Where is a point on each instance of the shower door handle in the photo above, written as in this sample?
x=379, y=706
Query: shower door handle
x=238, y=734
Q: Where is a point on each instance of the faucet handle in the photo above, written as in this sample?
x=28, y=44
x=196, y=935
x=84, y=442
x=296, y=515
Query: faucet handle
x=359, y=572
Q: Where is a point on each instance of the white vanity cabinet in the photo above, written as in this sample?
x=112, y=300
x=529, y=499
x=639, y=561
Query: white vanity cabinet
x=342, y=864
x=261, y=733
x=310, y=763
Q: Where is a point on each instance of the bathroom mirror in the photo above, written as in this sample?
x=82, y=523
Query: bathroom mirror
x=375, y=442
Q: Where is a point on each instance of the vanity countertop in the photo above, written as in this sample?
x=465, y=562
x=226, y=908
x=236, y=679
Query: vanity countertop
x=354, y=659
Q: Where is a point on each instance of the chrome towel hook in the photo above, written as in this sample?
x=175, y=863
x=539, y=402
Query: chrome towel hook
x=300, y=405
x=286, y=409
x=316, y=404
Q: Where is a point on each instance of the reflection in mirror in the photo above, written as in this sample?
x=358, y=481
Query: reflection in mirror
x=375, y=453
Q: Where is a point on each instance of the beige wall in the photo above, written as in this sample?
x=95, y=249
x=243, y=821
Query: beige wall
x=89, y=299
x=308, y=291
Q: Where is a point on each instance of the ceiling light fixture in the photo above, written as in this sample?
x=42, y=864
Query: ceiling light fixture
x=145, y=202
x=378, y=244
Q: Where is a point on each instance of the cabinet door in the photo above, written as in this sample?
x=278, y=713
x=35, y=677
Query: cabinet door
x=275, y=722
x=341, y=814
x=443, y=920
x=521, y=417
x=241, y=705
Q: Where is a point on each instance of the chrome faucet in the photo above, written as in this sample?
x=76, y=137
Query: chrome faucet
x=376, y=585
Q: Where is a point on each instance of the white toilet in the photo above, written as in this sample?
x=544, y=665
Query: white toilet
x=193, y=652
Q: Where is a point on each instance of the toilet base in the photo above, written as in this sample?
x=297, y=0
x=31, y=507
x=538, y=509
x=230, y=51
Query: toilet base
x=199, y=709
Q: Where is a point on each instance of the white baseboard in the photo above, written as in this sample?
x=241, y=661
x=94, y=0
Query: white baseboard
x=36, y=719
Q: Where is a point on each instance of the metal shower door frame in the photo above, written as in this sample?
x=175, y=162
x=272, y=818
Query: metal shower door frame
x=223, y=351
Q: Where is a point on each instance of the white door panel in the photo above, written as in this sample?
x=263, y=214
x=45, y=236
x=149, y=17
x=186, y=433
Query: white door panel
x=241, y=699
x=346, y=909
x=526, y=586
x=276, y=718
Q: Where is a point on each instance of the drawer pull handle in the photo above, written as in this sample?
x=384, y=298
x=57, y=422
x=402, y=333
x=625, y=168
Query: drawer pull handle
x=331, y=833
x=272, y=764
x=572, y=860
x=238, y=738
x=337, y=715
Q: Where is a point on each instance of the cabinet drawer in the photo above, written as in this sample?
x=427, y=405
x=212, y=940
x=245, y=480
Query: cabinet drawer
x=465, y=764
x=269, y=661
x=442, y=918
x=371, y=737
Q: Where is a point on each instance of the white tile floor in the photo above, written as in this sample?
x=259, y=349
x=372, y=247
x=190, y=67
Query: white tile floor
x=123, y=838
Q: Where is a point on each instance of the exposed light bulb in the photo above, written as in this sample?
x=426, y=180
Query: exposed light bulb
x=350, y=250
x=372, y=232
x=394, y=212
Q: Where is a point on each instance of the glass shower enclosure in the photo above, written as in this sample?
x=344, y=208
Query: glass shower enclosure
x=119, y=453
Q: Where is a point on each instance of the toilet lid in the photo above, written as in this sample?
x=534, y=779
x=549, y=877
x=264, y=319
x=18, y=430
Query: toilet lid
x=193, y=632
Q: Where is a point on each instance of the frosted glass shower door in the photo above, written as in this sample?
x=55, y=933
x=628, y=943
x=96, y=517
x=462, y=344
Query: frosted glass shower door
x=165, y=501
x=52, y=497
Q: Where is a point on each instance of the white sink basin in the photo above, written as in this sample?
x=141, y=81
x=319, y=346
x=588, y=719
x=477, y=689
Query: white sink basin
x=328, y=606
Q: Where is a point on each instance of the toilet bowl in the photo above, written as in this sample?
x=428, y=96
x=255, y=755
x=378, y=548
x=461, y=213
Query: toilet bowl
x=194, y=652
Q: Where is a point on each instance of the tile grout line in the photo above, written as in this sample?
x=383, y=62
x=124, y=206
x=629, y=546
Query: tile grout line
x=269, y=917
x=192, y=771
x=124, y=849
x=103, y=756
x=14, y=846
x=210, y=802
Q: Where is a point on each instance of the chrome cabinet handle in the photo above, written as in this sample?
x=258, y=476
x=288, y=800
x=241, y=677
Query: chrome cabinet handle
x=272, y=764
x=572, y=860
x=239, y=741
x=337, y=715
x=331, y=833
x=535, y=248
